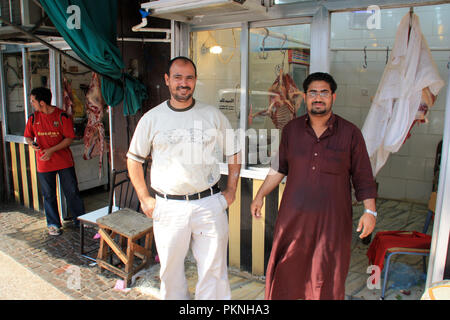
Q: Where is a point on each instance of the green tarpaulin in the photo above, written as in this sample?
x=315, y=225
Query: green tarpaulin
x=89, y=27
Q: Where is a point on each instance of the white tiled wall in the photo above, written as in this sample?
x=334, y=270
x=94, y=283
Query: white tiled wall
x=408, y=174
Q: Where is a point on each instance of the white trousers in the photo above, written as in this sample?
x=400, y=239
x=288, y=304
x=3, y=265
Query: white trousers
x=204, y=222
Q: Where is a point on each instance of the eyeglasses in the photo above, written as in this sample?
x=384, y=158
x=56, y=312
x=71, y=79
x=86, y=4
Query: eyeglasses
x=323, y=94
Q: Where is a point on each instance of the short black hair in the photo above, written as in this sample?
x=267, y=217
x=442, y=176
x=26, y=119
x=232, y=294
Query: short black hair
x=320, y=76
x=42, y=94
x=185, y=59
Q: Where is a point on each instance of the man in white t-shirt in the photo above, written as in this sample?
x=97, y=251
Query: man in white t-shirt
x=186, y=139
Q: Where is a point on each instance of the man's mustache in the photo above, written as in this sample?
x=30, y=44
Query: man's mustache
x=321, y=103
x=181, y=87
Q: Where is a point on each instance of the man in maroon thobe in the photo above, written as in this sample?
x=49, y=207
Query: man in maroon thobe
x=322, y=155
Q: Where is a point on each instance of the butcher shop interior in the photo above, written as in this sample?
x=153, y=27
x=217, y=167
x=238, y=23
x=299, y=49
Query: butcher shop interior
x=252, y=58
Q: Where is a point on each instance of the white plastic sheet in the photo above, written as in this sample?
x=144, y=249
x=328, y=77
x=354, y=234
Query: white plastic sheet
x=393, y=111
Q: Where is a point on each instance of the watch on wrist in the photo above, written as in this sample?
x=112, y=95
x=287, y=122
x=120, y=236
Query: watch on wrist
x=374, y=213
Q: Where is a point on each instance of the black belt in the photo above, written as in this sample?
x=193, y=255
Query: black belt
x=195, y=196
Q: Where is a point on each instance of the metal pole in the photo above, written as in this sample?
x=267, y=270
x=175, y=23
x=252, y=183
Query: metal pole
x=265, y=32
x=320, y=41
x=26, y=85
x=111, y=148
x=10, y=10
x=381, y=49
x=245, y=62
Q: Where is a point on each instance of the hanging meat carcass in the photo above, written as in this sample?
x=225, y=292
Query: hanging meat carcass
x=284, y=101
x=67, y=97
x=94, y=134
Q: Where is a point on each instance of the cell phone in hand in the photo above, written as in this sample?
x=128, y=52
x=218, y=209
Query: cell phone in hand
x=35, y=144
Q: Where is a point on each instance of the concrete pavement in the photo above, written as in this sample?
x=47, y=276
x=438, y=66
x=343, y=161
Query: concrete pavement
x=18, y=283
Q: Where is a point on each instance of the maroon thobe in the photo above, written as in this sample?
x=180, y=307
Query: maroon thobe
x=311, y=248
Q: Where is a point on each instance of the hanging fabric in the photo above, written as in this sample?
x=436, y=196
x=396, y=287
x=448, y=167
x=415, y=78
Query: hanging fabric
x=408, y=79
x=94, y=41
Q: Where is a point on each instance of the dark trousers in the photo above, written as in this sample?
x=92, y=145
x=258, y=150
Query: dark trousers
x=69, y=185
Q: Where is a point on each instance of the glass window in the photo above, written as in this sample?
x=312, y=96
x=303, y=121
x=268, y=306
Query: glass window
x=217, y=56
x=15, y=107
x=38, y=72
x=278, y=64
x=273, y=51
x=38, y=75
x=38, y=69
x=289, y=1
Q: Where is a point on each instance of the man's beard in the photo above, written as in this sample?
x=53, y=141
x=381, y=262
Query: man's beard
x=181, y=98
x=321, y=111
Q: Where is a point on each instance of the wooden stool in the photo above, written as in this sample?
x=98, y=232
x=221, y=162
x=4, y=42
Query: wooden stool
x=130, y=226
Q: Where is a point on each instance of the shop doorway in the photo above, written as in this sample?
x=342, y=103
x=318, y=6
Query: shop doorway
x=405, y=183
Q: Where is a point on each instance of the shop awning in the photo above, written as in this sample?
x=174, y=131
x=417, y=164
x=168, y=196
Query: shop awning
x=89, y=27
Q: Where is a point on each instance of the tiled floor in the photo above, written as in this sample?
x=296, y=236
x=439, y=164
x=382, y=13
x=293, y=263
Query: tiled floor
x=393, y=215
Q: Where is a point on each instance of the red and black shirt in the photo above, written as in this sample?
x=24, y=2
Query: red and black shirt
x=49, y=130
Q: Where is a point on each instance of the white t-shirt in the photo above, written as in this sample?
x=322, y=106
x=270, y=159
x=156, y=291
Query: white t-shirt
x=186, y=146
